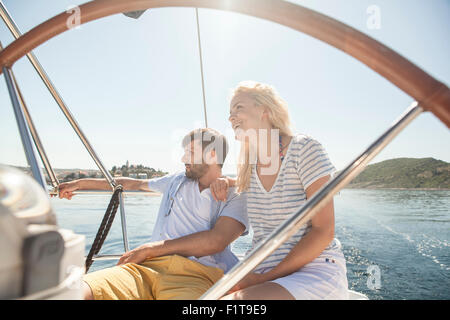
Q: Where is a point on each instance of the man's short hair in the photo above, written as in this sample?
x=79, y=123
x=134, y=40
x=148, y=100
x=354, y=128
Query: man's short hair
x=211, y=140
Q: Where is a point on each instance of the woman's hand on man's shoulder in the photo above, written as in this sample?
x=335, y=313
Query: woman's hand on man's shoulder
x=219, y=188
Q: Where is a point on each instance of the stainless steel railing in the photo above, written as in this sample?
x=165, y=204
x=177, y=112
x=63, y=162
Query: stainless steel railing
x=37, y=141
x=23, y=128
x=34, y=61
x=103, y=257
x=43, y=75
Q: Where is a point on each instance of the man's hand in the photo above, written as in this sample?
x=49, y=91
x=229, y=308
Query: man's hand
x=66, y=189
x=140, y=254
x=219, y=189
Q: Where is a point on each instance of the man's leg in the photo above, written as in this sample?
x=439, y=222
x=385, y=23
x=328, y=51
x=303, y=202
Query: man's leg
x=186, y=280
x=126, y=282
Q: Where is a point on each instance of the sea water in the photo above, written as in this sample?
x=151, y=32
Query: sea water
x=396, y=242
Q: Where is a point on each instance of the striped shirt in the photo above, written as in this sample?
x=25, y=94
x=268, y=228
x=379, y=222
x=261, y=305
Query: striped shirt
x=305, y=162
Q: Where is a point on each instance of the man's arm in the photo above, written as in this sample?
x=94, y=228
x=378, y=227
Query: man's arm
x=198, y=244
x=66, y=189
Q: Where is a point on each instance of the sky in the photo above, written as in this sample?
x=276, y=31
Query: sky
x=134, y=86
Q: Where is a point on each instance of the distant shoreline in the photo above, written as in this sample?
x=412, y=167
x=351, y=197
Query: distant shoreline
x=378, y=176
x=414, y=189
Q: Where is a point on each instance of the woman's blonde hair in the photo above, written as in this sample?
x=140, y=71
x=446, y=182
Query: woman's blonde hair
x=264, y=96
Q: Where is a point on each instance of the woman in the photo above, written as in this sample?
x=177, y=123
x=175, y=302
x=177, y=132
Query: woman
x=279, y=171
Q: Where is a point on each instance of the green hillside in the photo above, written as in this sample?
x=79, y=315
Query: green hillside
x=407, y=173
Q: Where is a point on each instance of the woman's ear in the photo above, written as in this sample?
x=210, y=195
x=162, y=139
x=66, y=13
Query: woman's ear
x=265, y=114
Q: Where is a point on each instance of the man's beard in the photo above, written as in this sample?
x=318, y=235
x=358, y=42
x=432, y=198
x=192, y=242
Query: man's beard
x=196, y=171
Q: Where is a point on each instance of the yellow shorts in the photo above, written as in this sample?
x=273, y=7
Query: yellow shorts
x=164, y=278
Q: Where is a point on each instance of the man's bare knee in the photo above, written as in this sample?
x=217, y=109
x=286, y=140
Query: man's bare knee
x=87, y=292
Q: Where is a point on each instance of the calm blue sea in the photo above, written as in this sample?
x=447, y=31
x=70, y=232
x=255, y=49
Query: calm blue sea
x=396, y=242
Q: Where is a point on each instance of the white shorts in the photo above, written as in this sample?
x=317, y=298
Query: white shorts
x=324, y=278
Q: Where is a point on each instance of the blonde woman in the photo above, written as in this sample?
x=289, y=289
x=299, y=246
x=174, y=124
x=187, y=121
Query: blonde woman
x=280, y=170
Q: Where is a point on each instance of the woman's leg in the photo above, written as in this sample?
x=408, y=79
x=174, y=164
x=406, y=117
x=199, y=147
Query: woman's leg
x=263, y=291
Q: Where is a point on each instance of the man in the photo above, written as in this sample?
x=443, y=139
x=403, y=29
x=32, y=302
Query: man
x=189, y=249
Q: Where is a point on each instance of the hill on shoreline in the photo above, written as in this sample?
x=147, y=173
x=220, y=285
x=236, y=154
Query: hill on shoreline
x=404, y=173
